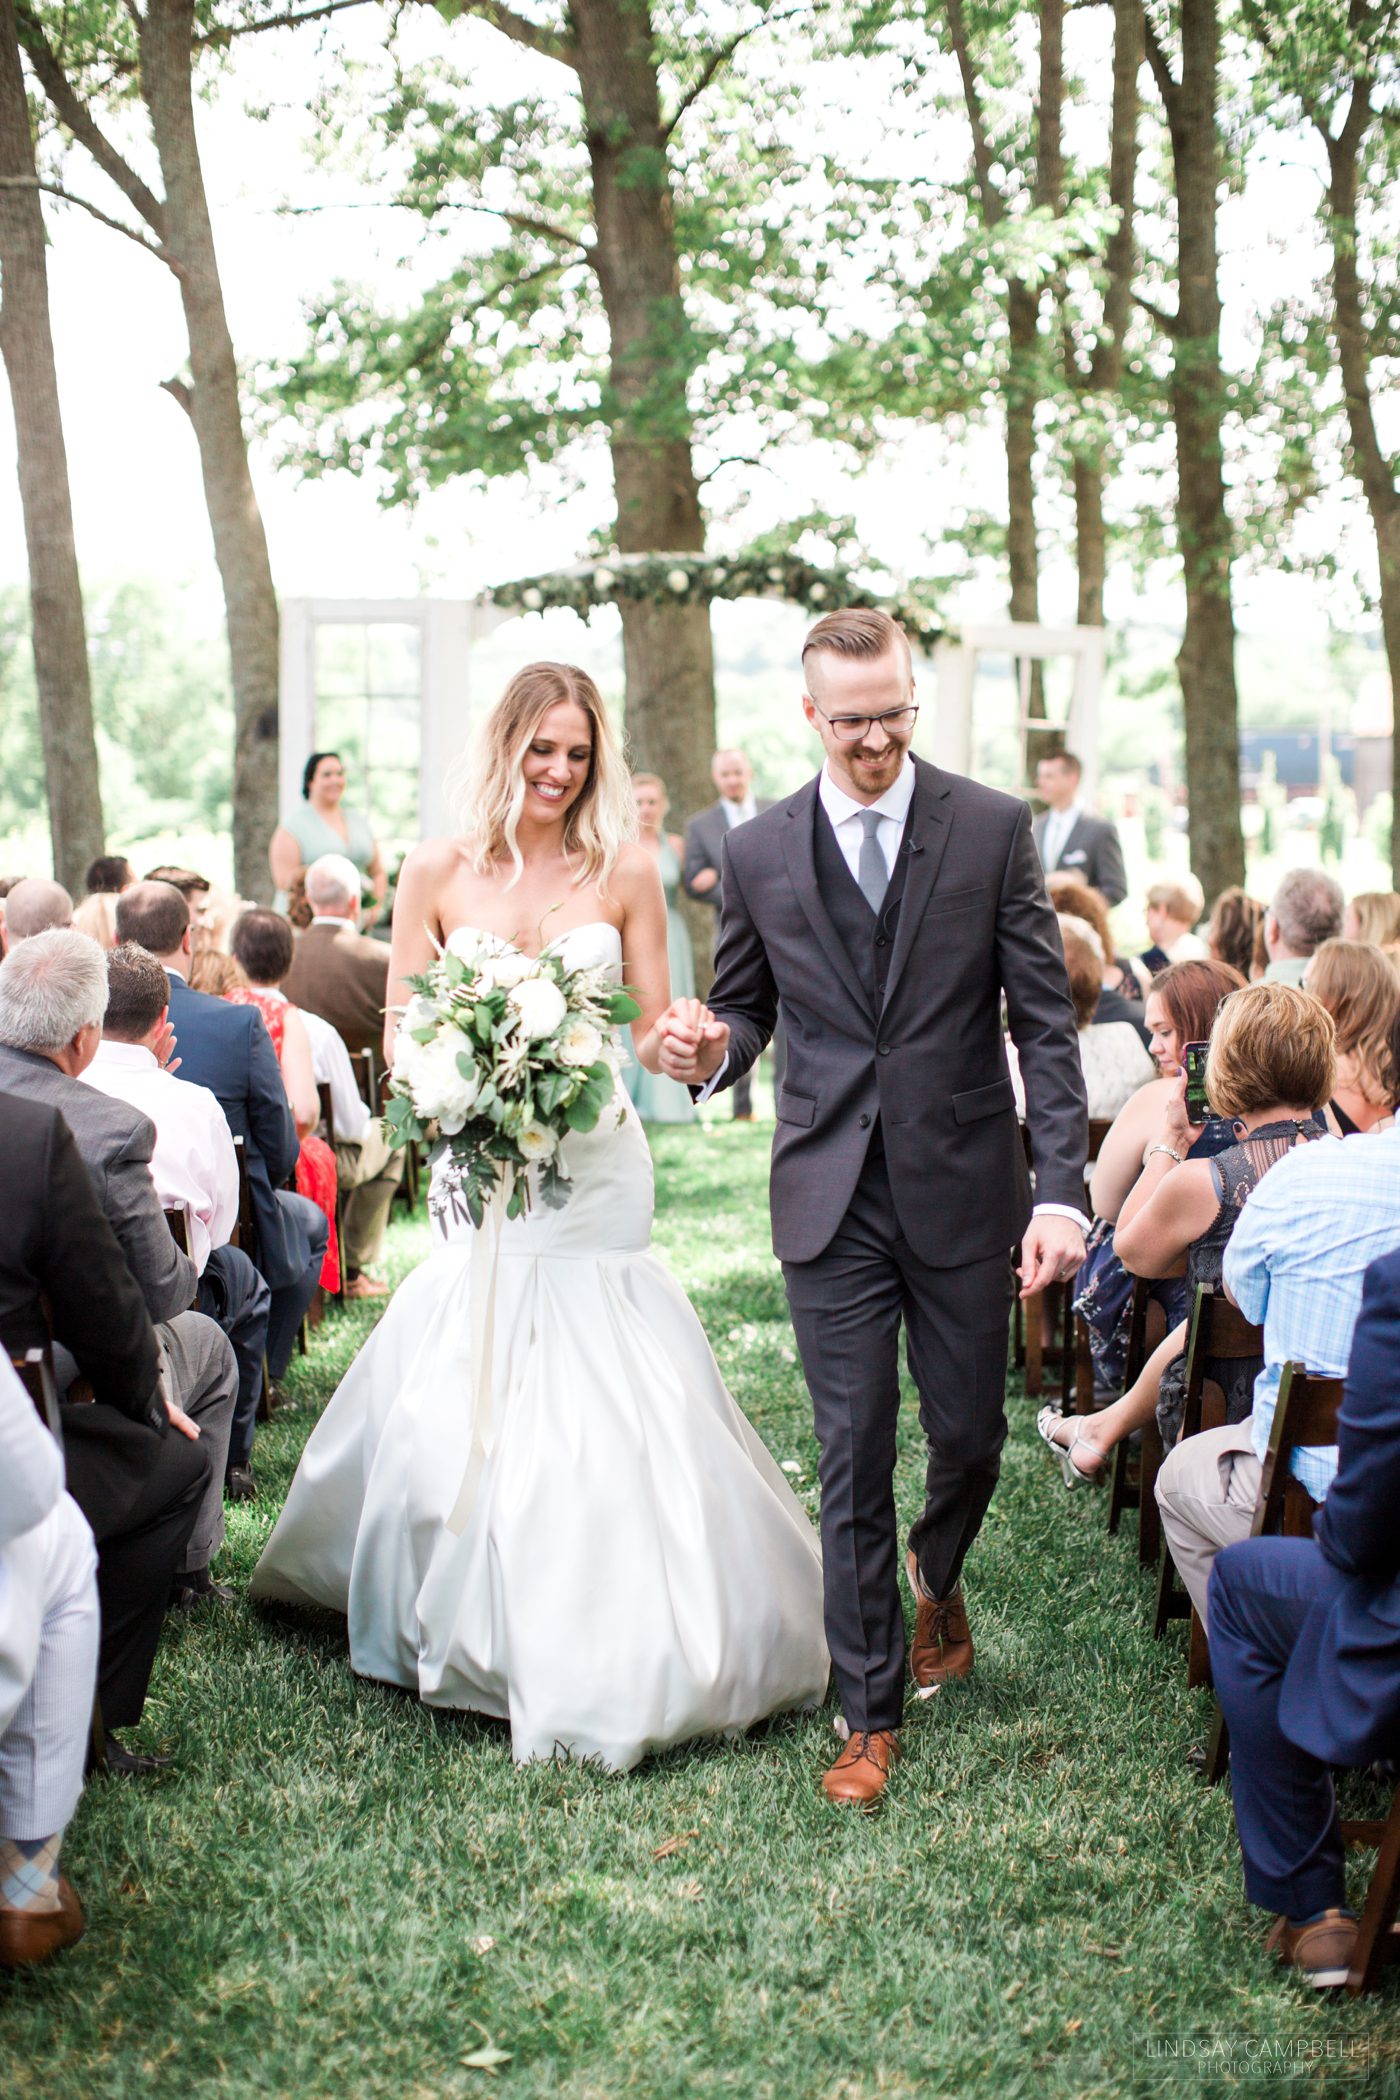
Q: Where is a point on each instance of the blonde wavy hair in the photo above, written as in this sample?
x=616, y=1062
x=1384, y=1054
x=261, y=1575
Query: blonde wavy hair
x=602, y=820
x=1360, y=989
x=1272, y=1046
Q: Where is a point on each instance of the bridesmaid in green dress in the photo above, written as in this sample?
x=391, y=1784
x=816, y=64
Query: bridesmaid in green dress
x=323, y=825
x=658, y=1099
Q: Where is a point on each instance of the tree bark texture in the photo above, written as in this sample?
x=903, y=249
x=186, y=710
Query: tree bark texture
x=1206, y=661
x=667, y=649
x=1373, y=469
x=55, y=594
x=212, y=400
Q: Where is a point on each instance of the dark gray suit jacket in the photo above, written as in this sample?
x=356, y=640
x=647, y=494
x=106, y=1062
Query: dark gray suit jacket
x=115, y=1142
x=974, y=921
x=705, y=835
x=1091, y=852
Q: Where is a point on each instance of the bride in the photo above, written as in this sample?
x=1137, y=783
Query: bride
x=633, y=1569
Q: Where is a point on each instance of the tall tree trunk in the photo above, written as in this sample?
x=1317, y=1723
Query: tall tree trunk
x=240, y=543
x=1373, y=469
x=1206, y=661
x=55, y=594
x=1106, y=362
x=667, y=649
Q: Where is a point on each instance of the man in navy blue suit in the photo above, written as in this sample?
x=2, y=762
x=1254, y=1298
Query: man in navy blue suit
x=1305, y=1648
x=228, y=1049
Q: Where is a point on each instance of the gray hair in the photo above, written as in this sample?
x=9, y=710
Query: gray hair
x=1308, y=906
x=331, y=881
x=34, y=905
x=51, y=986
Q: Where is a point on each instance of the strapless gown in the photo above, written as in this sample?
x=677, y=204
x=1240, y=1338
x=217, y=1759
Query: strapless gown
x=630, y=1568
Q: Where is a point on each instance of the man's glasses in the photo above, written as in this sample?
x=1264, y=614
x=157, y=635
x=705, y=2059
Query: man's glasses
x=849, y=729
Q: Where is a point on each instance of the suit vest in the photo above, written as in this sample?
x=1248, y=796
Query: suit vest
x=867, y=938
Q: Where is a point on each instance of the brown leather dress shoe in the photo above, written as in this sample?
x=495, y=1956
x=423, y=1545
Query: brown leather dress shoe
x=857, y=1779
x=942, y=1646
x=1320, y=1952
x=28, y=1936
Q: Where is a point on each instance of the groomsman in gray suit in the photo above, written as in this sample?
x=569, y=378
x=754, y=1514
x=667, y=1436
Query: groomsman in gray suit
x=705, y=835
x=1067, y=838
x=886, y=908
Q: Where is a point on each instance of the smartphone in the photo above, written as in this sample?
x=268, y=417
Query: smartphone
x=1193, y=1059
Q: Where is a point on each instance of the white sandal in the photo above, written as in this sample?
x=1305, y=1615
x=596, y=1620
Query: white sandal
x=1047, y=1422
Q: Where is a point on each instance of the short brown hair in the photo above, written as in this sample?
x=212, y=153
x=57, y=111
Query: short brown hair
x=154, y=915
x=1236, y=923
x=1192, y=992
x=138, y=992
x=1357, y=984
x=1070, y=893
x=186, y=880
x=1061, y=758
x=1273, y=1047
x=1085, y=975
x=856, y=631
x=262, y=941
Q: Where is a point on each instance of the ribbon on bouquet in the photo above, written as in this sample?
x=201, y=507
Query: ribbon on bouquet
x=481, y=1308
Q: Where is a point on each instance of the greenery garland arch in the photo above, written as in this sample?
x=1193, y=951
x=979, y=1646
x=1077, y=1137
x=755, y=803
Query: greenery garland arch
x=681, y=579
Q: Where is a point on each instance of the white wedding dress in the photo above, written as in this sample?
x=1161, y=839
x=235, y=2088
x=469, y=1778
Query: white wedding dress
x=615, y=1563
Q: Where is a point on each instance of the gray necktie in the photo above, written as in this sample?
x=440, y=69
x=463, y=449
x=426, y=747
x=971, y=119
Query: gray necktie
x=871, y=873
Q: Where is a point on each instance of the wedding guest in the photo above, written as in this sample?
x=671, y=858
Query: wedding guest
x=215, y=973
x=324, y=825
x=1171, y=911
x=1121, y=996
x=33, y=906
x=1181, y=1009
x=1067, y=837
x=96, y=916
x=368, y=1172
x=228, y=1049
x=705, y=835
x=1294, y=1266
x=1303, y=1652
x=338, y=972
x=1373, y=915
x=109, y=874
x=131, y=1463
x=195, y=1170
x=1306, y=911
x=1111, y=1053
x=1360, y=989
x=1267, y=1075
x=48, y=1667
x=1235, y=930
x=262, y=942
x=656, y=1098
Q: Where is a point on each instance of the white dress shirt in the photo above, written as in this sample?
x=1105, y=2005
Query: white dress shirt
x=738, y=812
x=1059, y=823
x=194, y=1165
x=330, y=1061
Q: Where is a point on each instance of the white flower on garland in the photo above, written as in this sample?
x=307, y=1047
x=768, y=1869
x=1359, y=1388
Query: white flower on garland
x=817, y=592
x=603, y=579
x=678, y=580
x=441, y=1090
x=537, y=1142
x=775, y=575
x=539, y=1005
x=580, y=1043
x=532, y=599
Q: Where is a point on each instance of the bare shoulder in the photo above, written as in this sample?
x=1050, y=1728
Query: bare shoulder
x=635, y=876
x=431, y=860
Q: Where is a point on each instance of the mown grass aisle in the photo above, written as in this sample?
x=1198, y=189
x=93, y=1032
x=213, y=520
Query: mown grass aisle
x=337, y=1893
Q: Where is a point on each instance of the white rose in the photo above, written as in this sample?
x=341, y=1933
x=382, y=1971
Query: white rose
x=775, y=575
x=532, y=600
x=510, y=968
x=464, y=942
x=579, y=1043
x=441, y=1091
x=537, y=1142
x=540, y=1006
x=603, y=579
x=678, y=580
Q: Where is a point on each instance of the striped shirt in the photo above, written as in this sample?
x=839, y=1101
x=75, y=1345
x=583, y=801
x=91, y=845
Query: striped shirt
x=1296, y=1262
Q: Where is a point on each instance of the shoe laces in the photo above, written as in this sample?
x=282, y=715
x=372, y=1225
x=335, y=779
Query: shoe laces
x=862, y=1745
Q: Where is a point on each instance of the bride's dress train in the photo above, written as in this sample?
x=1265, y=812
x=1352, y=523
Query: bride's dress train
x=628, y=1568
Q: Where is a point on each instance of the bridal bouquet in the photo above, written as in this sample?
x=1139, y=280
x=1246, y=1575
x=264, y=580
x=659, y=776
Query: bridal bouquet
x=502, y=1055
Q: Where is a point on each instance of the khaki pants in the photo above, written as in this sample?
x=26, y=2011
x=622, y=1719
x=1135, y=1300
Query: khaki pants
x=368, y=1173
x=1206, y=1491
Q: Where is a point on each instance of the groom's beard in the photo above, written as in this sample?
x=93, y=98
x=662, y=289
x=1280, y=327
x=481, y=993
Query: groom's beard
x=875, y=768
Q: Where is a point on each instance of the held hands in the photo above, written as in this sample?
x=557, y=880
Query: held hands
x=691, y=1043
x=1051, y=1252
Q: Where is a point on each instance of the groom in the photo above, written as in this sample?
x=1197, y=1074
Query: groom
x=886, y=907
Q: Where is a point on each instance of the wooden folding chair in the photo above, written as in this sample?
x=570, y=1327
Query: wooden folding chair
x=179, y=1223
x=1147, y=1325
x=1305, y=1415
x=1378, y=1941
x=1220, y=1330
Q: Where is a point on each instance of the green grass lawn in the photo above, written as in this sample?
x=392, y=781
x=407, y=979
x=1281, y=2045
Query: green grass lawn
x=337, y=1893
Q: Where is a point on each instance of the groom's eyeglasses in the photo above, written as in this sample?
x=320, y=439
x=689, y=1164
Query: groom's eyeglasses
x=849, y=729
